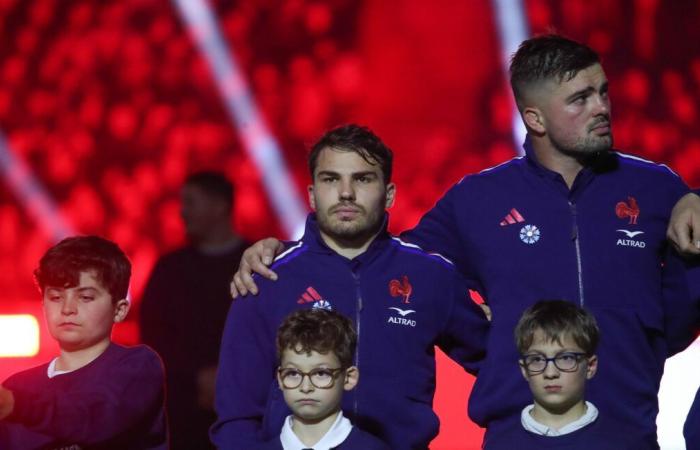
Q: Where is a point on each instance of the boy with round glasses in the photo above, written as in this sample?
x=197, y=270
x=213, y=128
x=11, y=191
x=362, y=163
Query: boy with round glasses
x=315, y=348
x=557, y=341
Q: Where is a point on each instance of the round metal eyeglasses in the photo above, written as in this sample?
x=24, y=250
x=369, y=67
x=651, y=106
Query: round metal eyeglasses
x=565, y=361
x=321, y=378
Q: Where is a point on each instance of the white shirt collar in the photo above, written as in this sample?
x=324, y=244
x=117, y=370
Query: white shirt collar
x=51, y=370
x=530, y=424
x=335, y=435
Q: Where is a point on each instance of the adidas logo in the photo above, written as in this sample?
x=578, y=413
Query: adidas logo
x=512, y=217
x=309, y=296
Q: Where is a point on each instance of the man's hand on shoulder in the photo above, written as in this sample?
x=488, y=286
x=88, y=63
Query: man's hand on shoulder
x=7, y=402
x=684, y=226
x=256, y=258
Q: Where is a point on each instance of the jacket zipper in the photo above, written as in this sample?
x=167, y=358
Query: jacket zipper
x=358, y=296
x=576, y=238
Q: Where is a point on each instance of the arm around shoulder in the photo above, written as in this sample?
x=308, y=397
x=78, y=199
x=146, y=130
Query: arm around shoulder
x=466, y=328
x=256, y=259
x=440, y=230
x=684, y=226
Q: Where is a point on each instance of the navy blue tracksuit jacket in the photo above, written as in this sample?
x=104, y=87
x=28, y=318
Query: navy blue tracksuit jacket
x=519, y=234
x=403, y=302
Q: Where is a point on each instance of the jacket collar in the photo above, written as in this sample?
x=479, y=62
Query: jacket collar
x=312, y=238
x=602, y=163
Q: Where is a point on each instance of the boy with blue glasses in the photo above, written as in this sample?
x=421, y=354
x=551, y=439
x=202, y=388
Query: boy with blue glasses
x=557, y=341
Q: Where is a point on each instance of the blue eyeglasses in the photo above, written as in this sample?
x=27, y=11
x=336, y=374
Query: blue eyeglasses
x=565, y=361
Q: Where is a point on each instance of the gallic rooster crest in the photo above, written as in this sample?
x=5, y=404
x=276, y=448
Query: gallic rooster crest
x=628, y=209
x=401, y=288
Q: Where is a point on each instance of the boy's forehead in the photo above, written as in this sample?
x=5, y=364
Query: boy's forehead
x=85, y=278
x=299, y=356
x=542, y=342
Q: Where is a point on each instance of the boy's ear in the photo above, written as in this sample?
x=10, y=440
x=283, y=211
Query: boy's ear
x=121, y=309
x=523, y=370
x=591, y=367
x=279, y=380
x=352, y=377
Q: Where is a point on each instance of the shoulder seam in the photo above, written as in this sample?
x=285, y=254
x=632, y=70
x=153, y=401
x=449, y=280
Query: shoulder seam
x=426, y=253
x=488, y=169
x=647, y=161
x=288, y=255
x=288, y=251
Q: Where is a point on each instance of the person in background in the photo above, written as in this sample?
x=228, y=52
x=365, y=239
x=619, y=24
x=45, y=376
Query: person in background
x=185, y=302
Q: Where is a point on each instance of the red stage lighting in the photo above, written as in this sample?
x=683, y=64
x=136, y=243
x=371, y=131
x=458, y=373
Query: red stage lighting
x=19, y=335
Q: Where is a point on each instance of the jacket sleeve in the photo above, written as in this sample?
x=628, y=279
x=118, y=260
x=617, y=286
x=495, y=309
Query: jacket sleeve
x=681, y=295
x=464, y=335
x=691, y=428
x=246, y=372
x=102, y=409
x=439, y=231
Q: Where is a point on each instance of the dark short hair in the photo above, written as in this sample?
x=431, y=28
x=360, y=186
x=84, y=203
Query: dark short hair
x=62, y=264
x=545, y=57
x=318, y=330
x=556, y=319
x=214, y=184
x=357, y=139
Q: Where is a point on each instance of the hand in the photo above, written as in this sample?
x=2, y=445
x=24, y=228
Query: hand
x=7, y=402
x=684, y=226
x=256, y=259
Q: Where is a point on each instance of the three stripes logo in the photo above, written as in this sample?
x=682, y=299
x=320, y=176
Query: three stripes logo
x=311, y=295
x=512, y=217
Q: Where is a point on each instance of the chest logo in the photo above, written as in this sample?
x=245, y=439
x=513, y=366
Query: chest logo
x=403, y=312
x=400, y=317
x=512, y=217
x=530, y=234
x=630, y=234
x=311, y=295
x=630, y=242
x=627, y=209
x=401, y=289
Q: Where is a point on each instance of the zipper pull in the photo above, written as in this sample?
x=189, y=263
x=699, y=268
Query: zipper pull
x=574, y=227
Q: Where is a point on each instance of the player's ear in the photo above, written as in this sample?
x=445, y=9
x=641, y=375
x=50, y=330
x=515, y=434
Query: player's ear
x=390, y=195
x=591, y=367
x=532, y=116
x=312, y=200
x=121, y=309
x=352, y=377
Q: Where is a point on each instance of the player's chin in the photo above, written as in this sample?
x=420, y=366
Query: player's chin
x=602, y=142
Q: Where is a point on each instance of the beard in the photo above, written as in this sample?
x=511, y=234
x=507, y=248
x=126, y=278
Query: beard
x=362, y=227
x=589, y=145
